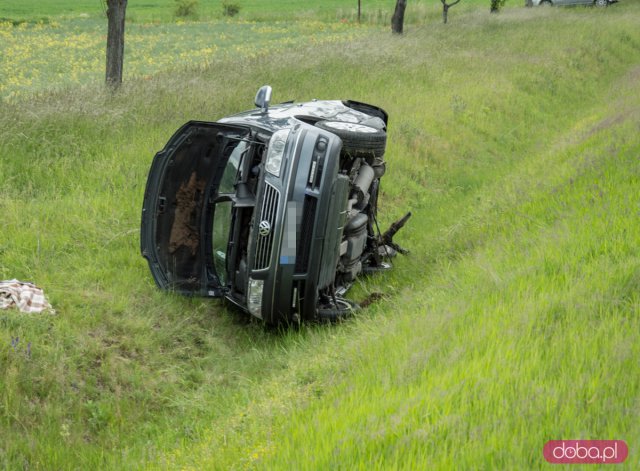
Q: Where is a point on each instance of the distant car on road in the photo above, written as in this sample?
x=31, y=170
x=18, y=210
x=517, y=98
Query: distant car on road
x=274, y=209
x=598, y=3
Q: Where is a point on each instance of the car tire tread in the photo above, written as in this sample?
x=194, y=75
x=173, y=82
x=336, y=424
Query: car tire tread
x=358, y=143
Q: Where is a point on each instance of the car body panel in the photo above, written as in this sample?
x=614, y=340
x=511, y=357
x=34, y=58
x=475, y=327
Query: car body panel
x=296, y=252
x=175, y=210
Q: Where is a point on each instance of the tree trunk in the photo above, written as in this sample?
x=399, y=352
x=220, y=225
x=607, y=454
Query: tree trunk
x=115, y=41
x=445, y=9
x=528, y=3
x=359, y=10
x=397, y=20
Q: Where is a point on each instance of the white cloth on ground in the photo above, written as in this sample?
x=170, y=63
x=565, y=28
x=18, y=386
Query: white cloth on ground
x=25, y=296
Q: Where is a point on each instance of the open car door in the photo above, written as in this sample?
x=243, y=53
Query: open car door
x=177, y=213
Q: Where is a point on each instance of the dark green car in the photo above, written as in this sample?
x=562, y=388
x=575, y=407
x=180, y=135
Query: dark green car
x=273, y=209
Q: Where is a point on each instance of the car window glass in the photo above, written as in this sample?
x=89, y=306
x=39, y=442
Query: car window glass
x=229, y=177
x=221, y=229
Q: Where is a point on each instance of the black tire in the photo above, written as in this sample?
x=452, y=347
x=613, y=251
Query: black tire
x=332, y=312
x=546, y=3
x=357, y=139
x=601, y=3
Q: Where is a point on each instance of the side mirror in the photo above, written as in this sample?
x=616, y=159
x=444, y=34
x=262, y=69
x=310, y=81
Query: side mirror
x=263, y=98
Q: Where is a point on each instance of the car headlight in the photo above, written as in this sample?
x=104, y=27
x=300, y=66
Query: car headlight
x=276, y=151
x=254, y=300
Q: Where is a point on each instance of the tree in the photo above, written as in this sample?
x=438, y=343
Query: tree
x=445, y=9
x=397, y=20
x=115, y=41
x=359, y=9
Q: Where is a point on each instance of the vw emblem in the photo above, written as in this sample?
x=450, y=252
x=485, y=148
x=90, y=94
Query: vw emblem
x=264, y=228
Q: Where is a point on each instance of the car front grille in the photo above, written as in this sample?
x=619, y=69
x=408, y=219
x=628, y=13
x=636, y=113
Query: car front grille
x=264, y=244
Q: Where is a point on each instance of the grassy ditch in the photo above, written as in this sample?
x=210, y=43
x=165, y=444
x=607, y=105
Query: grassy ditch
x=514, y=321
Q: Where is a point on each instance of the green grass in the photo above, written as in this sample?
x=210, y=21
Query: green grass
x=57, y=44
x=71, y=52
x=513, y=322
x=164, y=10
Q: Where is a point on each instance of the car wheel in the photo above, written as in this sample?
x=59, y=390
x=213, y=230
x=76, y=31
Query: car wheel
x=601, y=3
x=357, y=139
x=546, y=3
x=334, y=311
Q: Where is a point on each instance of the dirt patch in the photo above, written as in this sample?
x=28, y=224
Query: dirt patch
x=371, y=299
x=607, y=123
x=185, y=231
x=633, y=76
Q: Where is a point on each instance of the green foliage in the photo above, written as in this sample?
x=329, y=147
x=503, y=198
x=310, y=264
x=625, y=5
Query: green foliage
x=496, y=5
x=230, y=8
x=186, y=8
x=520, y=294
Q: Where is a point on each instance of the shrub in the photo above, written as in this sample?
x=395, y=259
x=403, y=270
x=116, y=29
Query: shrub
x=186, y=8
x=496, y=5
x=230, y=8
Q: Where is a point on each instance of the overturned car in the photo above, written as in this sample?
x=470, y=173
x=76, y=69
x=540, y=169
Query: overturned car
x=273, y=209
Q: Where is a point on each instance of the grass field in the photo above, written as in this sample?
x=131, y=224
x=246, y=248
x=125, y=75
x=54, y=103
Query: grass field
x=70, y=53
x=513, y=322
x=164, y=10
x=56, y=44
